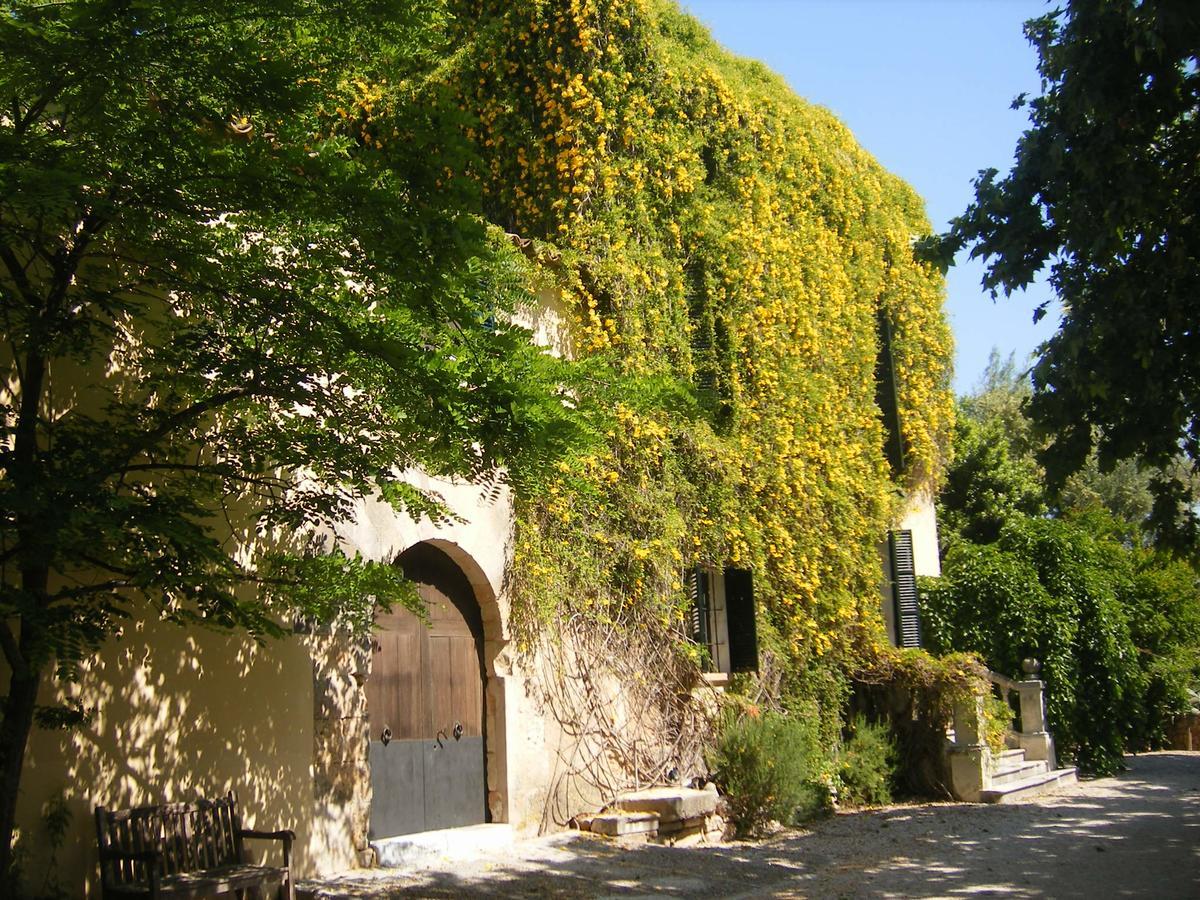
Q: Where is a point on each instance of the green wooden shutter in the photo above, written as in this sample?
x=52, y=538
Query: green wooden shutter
x=739, y=614
x=904, y=589
x=700, y=603
x=886, y=395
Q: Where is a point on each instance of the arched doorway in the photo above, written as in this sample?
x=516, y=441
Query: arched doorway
x=425, y=693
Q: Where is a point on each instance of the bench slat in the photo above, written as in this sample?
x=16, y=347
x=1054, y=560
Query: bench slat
x=208, y=882
x=198, y=846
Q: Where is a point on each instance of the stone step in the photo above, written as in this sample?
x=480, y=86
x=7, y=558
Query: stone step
x=669, y=804
x=425, y=847
x=620, y=824
x=1031, y=787
x=1007, y=758
x=1010, y=774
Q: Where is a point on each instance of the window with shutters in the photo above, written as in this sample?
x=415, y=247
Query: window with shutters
x=904, y=588
x=721, y=618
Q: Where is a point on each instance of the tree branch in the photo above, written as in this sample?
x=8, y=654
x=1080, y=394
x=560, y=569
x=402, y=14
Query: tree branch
x=20, y=279
x=12, y=653
x=181, y=418
x=103, y=587
x=201, y=468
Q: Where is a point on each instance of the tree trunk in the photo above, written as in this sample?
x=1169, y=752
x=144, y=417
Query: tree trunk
x=14, y=738
x=24, y=652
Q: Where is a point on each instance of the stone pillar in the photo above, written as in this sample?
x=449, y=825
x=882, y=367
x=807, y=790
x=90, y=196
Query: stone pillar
x=1035, y=738
x=1033, y=709
x=970, y=759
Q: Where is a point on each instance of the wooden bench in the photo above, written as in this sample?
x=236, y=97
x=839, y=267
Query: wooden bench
x=184, y=850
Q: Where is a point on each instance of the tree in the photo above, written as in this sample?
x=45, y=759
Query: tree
x=996, y=472
x=1104, y=190
x=1051, y=590
x=1074, y=577
x=231, y=310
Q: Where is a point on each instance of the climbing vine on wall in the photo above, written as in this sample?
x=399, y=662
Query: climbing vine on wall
x=726, y=247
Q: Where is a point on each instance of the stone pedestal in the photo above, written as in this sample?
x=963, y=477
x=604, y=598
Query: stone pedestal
x=1033, y=707
x=1037, y=746
x=968, y=771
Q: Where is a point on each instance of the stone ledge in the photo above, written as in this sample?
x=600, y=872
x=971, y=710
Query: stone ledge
x=448, y=843
x=617, y=824
x=670, y=804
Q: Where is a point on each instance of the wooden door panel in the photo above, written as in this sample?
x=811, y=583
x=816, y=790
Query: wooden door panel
x=457, y=692
x=396, y=694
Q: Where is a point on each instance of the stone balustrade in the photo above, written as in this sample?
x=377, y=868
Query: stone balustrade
x=971, y=763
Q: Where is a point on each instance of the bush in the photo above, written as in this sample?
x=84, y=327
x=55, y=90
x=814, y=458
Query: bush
x=1049, y=589
x=769, y=766
x=866, y=765
x=997, y=722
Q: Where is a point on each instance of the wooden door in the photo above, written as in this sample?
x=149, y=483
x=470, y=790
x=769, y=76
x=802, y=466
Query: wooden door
x=425, y=704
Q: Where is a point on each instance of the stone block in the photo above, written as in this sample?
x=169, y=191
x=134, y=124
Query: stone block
x=618, y=824
x=670, y=827
x=968, y=772
x=683, y=837
x=670, y=804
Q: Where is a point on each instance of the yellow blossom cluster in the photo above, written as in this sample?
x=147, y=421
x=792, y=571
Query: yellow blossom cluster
x=720, y=234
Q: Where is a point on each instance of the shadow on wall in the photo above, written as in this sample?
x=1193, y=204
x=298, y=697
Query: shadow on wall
x=177, y=714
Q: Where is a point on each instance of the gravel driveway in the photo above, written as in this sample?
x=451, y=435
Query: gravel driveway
x=1137, y=835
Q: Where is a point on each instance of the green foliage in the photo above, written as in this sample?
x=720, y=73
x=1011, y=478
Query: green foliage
x=1162, y=603
x=230, y=315
x=987, y=484
x=915, y=692
x=997, y=722
x=769, y=766
x=209, y=286
x=1051, y=590
x=707, y=228
x=866, y=764
x=1095, y=196
x=1081, y=602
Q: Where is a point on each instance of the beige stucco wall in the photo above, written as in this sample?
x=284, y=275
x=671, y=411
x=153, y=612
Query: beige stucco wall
x=920, y=517
x=177, y=714
x=186, y=713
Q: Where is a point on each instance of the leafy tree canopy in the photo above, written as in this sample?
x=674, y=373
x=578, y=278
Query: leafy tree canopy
x=1077, y=577
x=1104, y=192
x=229, y=315
x=996, y=473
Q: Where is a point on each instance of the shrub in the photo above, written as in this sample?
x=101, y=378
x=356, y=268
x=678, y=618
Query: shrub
x=866, y=764
x=769, y=765
x=997, y=722
x=1050, y=589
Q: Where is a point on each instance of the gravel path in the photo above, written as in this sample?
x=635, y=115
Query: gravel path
x=1137, y=835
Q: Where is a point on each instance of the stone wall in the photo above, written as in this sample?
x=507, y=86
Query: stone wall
x=341, y=776
x=1184, y=733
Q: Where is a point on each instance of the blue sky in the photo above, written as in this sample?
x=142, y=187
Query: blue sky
x=926, y=87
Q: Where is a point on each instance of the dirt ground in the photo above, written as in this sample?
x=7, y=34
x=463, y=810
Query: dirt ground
x=1136, y=835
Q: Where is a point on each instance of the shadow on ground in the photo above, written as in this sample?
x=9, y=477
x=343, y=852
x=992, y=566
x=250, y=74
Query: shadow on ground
x=1135, y=835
